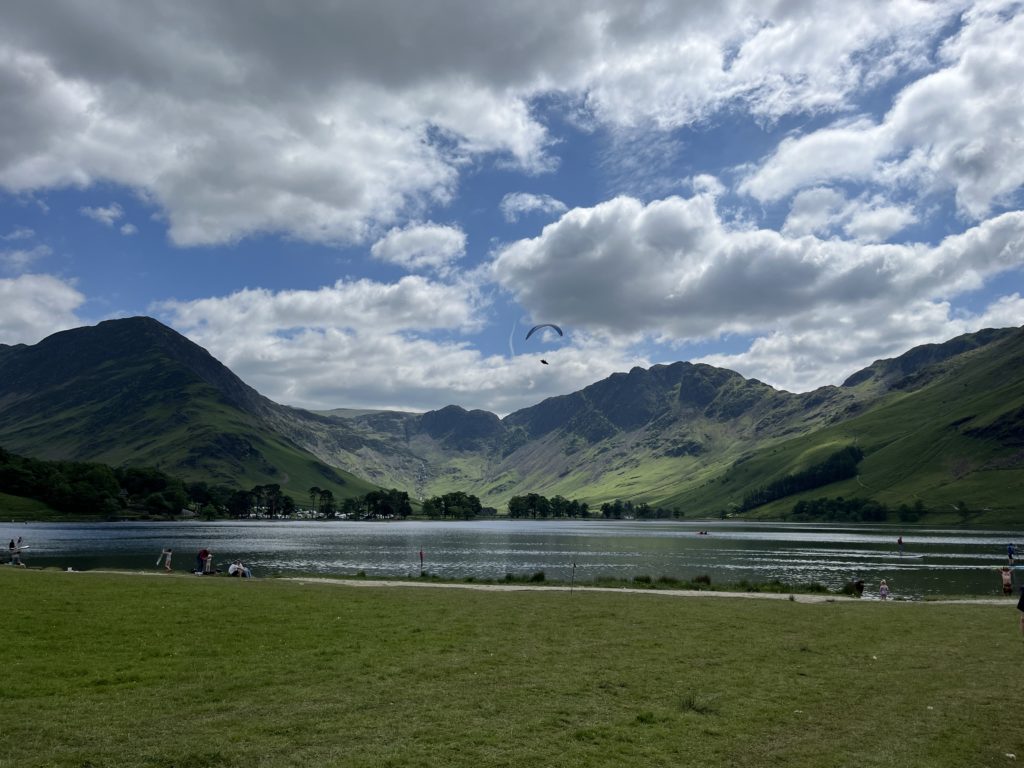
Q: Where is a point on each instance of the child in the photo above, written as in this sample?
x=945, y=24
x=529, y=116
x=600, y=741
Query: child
x=166, y=555
x=1007, y=575
x=883, y=590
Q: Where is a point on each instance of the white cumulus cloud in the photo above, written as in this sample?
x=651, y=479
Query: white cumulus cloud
x=823, y=211
x=675, y=272
x=957, y=129
x=421, y=246
x=375, y=345
x=331, y=122
x=34, y=306
x=104, y=215
x=517, y=204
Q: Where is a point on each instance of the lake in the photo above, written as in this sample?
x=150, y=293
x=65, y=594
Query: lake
x=936, y=561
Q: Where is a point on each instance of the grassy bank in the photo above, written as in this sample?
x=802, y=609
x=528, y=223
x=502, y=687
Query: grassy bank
x=121, y=670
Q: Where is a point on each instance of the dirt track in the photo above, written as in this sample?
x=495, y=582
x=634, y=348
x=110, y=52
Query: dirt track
x=797, y=597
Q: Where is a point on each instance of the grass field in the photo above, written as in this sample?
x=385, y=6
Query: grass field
x=124, y=670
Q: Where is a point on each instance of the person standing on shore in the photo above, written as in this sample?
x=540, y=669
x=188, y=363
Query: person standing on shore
x=15, y=550
x=1007, y=575
x=883, y=590
x=165, y=555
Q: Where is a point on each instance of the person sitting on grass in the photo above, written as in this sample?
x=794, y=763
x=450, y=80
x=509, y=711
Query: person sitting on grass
x=237, y=569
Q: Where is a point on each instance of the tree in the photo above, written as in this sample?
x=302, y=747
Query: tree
x=287, y=506
x=458, y=504
x=433, y=507
x=390, y=503
x=327, y=508
x=240, y=504
x=561, y=507
x=272, y=499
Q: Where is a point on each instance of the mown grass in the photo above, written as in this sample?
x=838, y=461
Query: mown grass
x=121, y=670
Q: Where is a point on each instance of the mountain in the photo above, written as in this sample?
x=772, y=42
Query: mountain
x=943, y=423
x=702, y=438
x=134, y=392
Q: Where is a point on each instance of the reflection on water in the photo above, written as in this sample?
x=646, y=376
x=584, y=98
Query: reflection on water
x=935, y=560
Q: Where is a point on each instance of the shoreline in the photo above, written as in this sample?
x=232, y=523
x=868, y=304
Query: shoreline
x=797, y=597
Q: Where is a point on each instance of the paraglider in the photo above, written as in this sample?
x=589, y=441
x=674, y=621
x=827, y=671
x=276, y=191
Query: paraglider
x=544, y=325
x=544, y=361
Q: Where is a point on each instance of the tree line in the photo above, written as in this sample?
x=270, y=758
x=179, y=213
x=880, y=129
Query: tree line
x=841, y=465
x=536, y=506
x=98, y=490
x=104, y=492
x=391, y=503
x=855, y=510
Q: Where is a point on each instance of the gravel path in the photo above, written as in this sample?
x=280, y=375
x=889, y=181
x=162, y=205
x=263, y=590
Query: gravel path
x=796, y=597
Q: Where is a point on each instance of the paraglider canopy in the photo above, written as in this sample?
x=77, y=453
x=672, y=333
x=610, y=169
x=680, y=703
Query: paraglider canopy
x=544, y=325
x=544, y=361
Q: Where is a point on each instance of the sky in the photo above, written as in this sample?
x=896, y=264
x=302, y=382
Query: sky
x=367, y=204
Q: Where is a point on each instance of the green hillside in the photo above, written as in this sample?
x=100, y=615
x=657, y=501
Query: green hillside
x=956, y=443
x=134, y=393
x=939, y=427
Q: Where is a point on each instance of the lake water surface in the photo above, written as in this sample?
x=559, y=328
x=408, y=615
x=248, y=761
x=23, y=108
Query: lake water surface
x=936, y=561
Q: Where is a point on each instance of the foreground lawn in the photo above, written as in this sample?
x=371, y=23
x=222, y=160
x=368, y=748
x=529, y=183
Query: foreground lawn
x=121, y=670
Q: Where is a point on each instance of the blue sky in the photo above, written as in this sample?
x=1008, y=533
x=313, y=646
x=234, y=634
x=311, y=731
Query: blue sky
x=367, y=204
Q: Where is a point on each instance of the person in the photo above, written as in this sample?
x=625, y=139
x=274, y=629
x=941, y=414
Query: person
x=15, y=550
x=201, y=560
x=166, y=556
x=883, y=590
x=208, y=564
x=1011, y=552
x=237, y=569
x=899, y=543
x=858, y=587
x=1007, y=575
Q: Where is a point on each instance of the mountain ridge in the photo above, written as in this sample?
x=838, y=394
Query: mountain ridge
x=660, y=434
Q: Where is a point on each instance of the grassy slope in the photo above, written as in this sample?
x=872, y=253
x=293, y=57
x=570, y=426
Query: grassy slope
x=120, y=670
x=194, y=436
x=916, y=447
x=20, y=508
